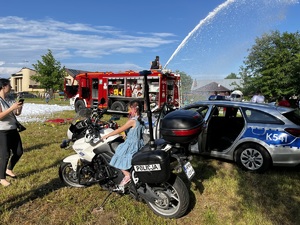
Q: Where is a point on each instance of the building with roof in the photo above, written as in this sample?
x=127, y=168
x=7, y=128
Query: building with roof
x=202, y=89
x=231, y=84
x=21, y=81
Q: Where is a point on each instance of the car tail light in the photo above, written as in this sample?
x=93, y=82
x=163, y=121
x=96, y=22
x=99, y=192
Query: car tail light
x=293, y=131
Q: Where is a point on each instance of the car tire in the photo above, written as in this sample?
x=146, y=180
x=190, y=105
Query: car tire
x=253, y=157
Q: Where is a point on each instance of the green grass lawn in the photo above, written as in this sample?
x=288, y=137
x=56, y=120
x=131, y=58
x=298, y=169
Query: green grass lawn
x=220, y=192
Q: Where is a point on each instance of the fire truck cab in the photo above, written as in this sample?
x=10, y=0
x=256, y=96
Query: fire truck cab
x=118, y=89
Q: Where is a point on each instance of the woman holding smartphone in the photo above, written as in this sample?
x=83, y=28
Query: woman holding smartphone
x=9, y=136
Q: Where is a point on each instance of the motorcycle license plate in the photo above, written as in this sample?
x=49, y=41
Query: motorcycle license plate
x=189, y=170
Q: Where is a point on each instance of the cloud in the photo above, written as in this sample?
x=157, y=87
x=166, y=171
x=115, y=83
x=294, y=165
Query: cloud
x=22, y=35
x=6, y=71
x=27, y=40
x=105, y=67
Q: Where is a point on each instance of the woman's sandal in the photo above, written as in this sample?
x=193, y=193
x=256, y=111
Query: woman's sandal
x=4, y=183
x=14, y=177
x=10, y=174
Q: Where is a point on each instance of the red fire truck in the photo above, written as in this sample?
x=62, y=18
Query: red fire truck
x=118, y=89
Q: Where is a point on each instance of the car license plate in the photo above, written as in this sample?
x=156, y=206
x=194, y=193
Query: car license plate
x=189, y=170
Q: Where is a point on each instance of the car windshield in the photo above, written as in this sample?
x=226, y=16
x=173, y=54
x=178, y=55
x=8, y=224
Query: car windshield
x=293, y=116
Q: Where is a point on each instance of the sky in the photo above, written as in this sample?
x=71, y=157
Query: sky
x=204, y=39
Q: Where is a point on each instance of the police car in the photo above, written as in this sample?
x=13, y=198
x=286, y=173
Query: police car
x=255, y=136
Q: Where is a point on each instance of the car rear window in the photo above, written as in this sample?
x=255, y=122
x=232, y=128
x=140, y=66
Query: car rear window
x=256, y=116
x=293, y=116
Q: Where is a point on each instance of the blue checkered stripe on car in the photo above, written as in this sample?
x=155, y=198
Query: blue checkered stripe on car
x=272, y=137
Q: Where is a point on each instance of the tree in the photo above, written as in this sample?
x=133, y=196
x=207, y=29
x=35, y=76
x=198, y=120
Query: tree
x=186, y=81
x=296, y=75
x=247, y=86
x=186, y=85
x=273, y=65
x=232, y=76
x=49, y=73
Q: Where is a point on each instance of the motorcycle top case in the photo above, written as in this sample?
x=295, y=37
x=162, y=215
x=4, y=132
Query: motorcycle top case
x=181, y=126
x=151, y=166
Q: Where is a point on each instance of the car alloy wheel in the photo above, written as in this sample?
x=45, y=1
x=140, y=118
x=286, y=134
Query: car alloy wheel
x=253, y=157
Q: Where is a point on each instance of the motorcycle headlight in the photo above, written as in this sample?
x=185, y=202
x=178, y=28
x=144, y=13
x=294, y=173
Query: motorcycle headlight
x=88, y=136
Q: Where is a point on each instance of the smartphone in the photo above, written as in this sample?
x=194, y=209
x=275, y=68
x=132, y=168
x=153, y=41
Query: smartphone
x=21, y=100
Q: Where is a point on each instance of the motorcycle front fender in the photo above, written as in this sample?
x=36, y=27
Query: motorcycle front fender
x=73, y=159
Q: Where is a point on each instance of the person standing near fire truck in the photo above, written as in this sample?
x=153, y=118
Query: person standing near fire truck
x=155, y=65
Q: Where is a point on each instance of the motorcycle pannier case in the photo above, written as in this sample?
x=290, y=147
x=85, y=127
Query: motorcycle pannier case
x=151, y=166
x=181, y=126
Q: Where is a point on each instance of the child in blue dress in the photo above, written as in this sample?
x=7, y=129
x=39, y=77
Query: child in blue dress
x=133, y=142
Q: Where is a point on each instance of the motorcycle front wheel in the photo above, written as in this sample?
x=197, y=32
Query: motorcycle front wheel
x=68, y=175
x=173, y=199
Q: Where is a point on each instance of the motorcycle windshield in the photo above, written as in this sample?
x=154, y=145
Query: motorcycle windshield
x=81, y=115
